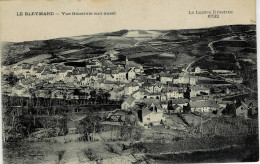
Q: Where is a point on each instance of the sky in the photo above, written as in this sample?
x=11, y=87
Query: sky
x=130, y=14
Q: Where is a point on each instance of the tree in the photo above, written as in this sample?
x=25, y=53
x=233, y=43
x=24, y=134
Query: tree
x=12, y=79
x=230, y=109
x=96, y=124
x=100, y=97
x=64, y=98
x=11, y=120
x=187, y=93
x=107, y=95
x=137, y=133
x=62, y=125
x=34, y=102
x=90, y=124
x=86, y=98
x=5, y=100
x=49, y=93
x=25, y=126
x=93, y=95
x=212, y=90
x=77, y=93
x=187, y=109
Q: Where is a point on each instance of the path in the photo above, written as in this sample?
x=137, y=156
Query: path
x=189, y=65
x=210, y=45
x=136, y=44
x=70, y=157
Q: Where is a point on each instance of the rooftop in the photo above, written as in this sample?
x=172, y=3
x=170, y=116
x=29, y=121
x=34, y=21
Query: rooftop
x=199, y=104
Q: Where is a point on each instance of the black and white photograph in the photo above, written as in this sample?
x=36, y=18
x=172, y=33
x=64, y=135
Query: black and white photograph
x=89, y=87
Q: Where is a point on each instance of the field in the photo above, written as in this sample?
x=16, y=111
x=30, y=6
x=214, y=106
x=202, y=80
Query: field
x=76, y=152
x=229, y=154
x=153, y=60
x=212, y=64
x=83, y=54
x=143, y=33
x=124, y=152
x=183, y=59
x=39, y=58
x=143, y=45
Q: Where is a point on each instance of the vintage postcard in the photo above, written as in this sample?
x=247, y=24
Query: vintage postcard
x=128, y=81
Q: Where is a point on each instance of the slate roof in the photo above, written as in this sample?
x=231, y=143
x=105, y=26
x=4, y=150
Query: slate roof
x=244, y=105
x=198, y=88
x=130, y=100
x=149, y=109
x=134, y=64
x=107, y=63
x=38, y=70
x=174, y=107
x=146, y=111
x=26, y=66
x=163, y=74
x=179, y=101
x=122, y=70
x=183, y=74
x=27, y=81
x=254, y=102
x=169, y=89
x=201, y=98
x=131, y=84
x=19, y=87
x=149, y=102
x=199, y=104
x=46, y=72
x=114, y=71
x=69, y=74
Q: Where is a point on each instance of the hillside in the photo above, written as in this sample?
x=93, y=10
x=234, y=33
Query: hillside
x=138, y=45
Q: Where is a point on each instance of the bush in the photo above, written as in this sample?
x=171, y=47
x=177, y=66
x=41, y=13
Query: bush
x=89, y=153
x=115, y=148
x=60, y=154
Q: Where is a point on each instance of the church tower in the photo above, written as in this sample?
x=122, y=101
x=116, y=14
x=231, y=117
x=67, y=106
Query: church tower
x=126, y=63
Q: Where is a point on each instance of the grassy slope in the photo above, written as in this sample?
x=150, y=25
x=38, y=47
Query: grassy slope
x=35, y=152
x=191, y=41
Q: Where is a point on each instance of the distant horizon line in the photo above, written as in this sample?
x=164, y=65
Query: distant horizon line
x=98, y=33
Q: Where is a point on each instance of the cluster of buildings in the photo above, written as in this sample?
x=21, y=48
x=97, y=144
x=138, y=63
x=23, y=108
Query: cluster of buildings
x=152, y=95
x=41, y=78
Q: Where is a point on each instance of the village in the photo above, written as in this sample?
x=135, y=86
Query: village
x=138, y=82
x=126, y=90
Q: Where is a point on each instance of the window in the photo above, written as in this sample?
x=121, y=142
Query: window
x=148, y=118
